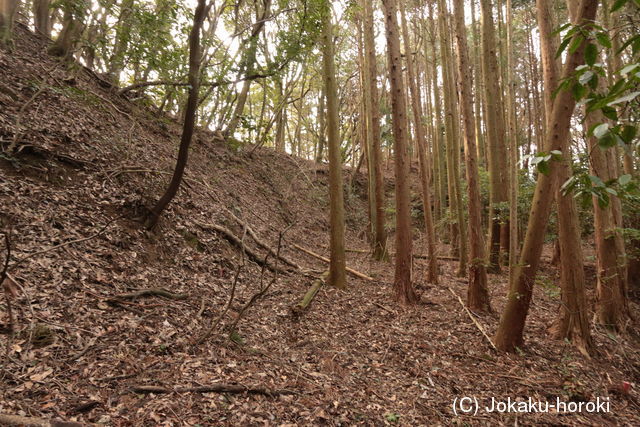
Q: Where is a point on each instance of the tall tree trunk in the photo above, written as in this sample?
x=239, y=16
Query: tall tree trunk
x=512, y=231
x=7, y=12
x=478, y=294
x=573, y=322
x=373, y=125
x=510, y=330
x=72, y=28
x=403, y=287
x=248, y=65
x=42, y=17
x=337, y=272
x=190, y=115
x=121, y=42
x=416, y=105
x=498, y=187
x=322, y=128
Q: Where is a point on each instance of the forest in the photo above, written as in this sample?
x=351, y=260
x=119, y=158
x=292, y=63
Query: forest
x=319, y=212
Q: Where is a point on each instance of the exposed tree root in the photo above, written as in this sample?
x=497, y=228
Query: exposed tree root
x=321, y=258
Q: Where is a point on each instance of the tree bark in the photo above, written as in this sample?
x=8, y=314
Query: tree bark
x=337, y=273
x=497, y=157
x=403, y=287
x=416, y=106
x=477, y=294
x=373, y=133
x=509, y=335
x=195, y=58
x=7, y=12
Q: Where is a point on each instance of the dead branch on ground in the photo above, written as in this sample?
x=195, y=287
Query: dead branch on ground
x=236, y=241
x=473, y=319
x=17, y=420
x=298, y=309
x=213, y=388
x=149, y=292
x=326, y=260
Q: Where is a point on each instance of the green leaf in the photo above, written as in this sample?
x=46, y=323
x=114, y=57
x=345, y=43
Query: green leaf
x=628, y=133
x=578, y=91
x=607, y=141
x=575, y=43
x=543, y=167
x=618, y=4
x=629, y=68
x=624, y=179
x=560, y=29
x=610, y=113
x=611, y=191
x=596, y=181
x=590, y=54
x=392, y=417
x=601, y=130
x=603, y=39
x=563, y=46
x=629, y=97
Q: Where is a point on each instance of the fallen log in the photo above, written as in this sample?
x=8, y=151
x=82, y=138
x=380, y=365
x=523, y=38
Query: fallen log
x=297, y=309
x=236, y=241
x=212, y=388
x=321, y=258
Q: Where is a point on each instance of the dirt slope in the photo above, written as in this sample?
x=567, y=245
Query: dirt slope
x=90, y=159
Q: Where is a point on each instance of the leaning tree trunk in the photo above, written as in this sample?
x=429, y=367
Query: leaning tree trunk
x=195, y=58
x=403, y=288
x=573, y=322
x=511, y=328
x=416, y=105
x=477, y=294
x=337, y=272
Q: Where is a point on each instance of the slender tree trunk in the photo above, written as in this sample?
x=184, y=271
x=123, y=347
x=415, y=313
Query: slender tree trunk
x=7, y=12
x=337, y=272
x=432, y=270
x=478, y=294
x=498, y=172
x=322, y=128
x=403, y=287
x=573, y=322
x=189, y=117
x=512, y=230
x=72, y=28
x=373, y=125
x=248, y=67
x=42, y=17
x=510, y=330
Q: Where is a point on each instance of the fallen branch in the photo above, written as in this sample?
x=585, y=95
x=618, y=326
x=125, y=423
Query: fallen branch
x=321, y=258
x=213, y=388
x=17, y=420
x=236, y=241
x=261, y=243
x=473, y=319
x=310, y=295
x=150, y=292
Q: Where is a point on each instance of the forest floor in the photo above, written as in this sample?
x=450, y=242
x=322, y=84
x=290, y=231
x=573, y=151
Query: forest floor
x=90, y=162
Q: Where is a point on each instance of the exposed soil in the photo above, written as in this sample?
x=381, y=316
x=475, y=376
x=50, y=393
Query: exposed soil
x=90, y=159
